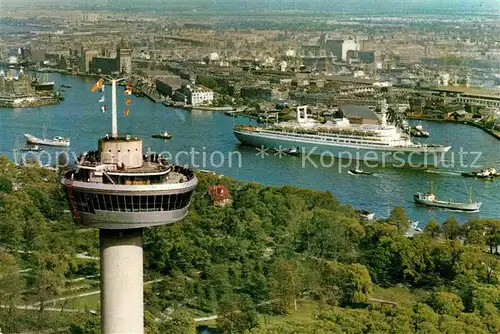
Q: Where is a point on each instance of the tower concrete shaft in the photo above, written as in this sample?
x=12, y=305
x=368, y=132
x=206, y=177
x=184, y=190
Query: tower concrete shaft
x=122, y=305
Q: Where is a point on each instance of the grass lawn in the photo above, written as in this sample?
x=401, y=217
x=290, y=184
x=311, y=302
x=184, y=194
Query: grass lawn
x=89, y=302
x=400, y=295
x=305, y=312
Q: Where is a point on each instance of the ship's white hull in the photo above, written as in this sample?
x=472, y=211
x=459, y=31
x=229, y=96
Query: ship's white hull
x=47, y=142
x=395, y=156
x=469, y=207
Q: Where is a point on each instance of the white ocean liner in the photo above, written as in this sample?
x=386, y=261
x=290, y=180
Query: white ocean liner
x=339, y=138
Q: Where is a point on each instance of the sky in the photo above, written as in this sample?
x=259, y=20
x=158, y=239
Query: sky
x=351, y=6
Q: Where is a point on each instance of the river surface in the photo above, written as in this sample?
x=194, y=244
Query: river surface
x=209, y=135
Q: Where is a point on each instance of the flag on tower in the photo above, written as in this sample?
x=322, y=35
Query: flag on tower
x=97, y=85
x=102, y=89
x=128, y=91
x=102, y=99
x=103, y=108
x=127, y=102
x=125, y=112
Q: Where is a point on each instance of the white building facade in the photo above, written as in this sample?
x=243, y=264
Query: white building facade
x=200, y=95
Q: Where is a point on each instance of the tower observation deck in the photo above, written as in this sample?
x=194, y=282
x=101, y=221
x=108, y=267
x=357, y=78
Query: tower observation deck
x=120, y=191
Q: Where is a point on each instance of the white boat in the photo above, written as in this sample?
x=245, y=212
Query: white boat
x=364, y=214
x=357, y=171
x=339, y=138
x=418, y=131
x=56, y=141
x=292, y=151
x=162, y=135
x=414, y=225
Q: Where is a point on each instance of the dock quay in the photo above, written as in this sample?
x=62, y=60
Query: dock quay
x=153, y=96
x=27, y=101
x=230, y=109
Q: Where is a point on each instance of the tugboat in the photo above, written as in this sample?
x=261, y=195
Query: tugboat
x=429, y=199
x=418, y=131
x=162, y=135
x=486, y=173
x=357, y=171
x=35, y=148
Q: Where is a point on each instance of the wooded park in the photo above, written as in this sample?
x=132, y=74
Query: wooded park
x=276, y=260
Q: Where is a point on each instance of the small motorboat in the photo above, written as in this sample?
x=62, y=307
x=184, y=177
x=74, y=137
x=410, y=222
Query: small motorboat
x=65, y=86
x=364, y=214
x=162, y=135
x=357, y=171
x=292, y=151
x=34, y=148
x=414, y=225
x=206, y=171
x=418, y=131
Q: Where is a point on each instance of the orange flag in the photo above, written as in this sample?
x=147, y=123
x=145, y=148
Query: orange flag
x=127, y=102
x=97, y=85
x=128, y=91
x=125, y=112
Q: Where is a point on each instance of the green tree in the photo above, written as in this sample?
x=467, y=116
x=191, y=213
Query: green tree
x=452, y=229
x=207, y=81
x=236, y=315
x=445, y=303
x=493, y=235
x=356, y=284
x=48, y=279
x=5, y=184
x=424, y=319
x=432, y=229
x=150, y=324
x=399, y=218
x=182, y=322
x=86, y=326
x=381, y=253
x=474, y=232
x=285, y=286
x=346, y=284
x=331, y=236
x=11, y=288
x=449, y=325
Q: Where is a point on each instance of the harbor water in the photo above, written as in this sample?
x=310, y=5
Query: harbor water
x=205, y=139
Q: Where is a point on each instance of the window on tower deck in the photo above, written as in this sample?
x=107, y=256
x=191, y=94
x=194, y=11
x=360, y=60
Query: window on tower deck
x=121, y=203
x=136, y=200
x=114, y=202
x=129, y=203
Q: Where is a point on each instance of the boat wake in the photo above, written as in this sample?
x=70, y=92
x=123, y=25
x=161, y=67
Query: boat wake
x=443, y=173
x=461, y=211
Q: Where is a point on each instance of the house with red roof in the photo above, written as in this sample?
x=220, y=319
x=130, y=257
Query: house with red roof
x=220, y=195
